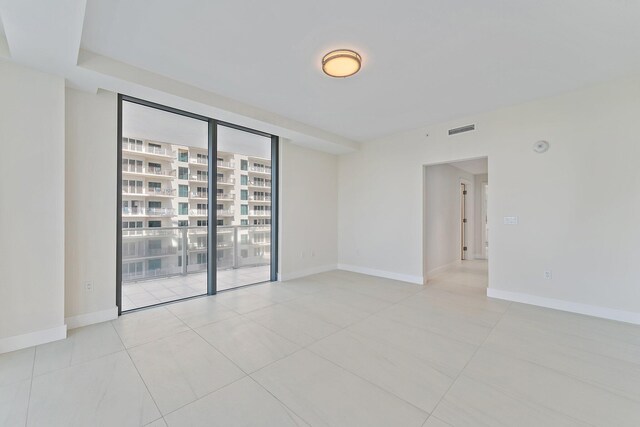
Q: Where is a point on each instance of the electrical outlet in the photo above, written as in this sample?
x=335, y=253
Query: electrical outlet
x=88, y=287
x=547, y=275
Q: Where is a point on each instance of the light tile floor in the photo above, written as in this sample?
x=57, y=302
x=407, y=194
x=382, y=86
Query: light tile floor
x=334, y=349
x=155, y=291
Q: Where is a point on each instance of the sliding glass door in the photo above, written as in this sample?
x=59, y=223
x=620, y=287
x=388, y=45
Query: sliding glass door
x=164, y=198
x=196, y=205
x=244, y=199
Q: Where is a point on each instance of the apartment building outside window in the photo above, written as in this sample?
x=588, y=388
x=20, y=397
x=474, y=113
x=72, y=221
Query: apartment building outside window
x=183, y=173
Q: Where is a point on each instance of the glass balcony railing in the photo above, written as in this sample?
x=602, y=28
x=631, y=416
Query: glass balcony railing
x=149, y=253
x=148, y=150
x=135, y=211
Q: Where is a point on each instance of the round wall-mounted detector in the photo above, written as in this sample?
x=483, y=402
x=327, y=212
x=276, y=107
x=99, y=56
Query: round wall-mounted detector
x=541, y=146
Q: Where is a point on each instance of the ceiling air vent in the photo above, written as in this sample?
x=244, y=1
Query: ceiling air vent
x=462, y=129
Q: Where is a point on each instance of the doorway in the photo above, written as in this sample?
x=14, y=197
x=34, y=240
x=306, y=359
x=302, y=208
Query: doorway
x=455, y=218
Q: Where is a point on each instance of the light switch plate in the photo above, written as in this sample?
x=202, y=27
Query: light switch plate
x=511, y=220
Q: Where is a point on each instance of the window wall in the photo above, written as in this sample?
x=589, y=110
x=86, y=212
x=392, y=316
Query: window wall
x=166, y=250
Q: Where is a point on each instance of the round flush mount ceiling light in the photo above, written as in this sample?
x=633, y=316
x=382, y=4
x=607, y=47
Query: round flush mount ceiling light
x=341, y=63
x=541, y=147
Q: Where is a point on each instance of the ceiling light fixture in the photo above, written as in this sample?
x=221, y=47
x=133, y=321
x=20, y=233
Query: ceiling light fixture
x=341, y=63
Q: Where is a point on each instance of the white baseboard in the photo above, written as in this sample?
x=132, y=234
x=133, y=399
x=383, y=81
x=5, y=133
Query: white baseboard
x=18, y=342
x=91, y=318
x=439, y=270
x=572, y=307
x=381, y=273
x=306, y=272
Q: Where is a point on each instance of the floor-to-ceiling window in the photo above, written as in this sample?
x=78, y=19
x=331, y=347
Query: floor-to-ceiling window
x=181, y=175
x=244, y=207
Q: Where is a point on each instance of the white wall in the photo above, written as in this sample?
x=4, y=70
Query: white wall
x=479, y=181
x=442, y=216
x=32, y=208
x=577, y=203
x=91, y=178
x=308, y=211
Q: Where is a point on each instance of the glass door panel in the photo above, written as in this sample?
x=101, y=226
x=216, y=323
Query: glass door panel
x=164, y=197
x=243, y=202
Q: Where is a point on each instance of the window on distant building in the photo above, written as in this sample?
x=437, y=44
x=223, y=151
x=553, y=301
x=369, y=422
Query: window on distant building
x=244, y=253
x=244, y=165
x=183, y=173
x=183, y=223
x=154, y=264
x=155, y=205
x=220, y=222
x=202, y=222
x=153, y=224
x=183, y=156
x=183, y=190
x=183, y=208
x=244, y=222
x=244, y=209
x=244, y=195
x=244, y=180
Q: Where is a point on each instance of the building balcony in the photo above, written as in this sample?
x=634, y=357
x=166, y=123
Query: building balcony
x=152, y=192
x=225, y=196
x=225, y=212
x=260, y=184
x=143, y=252
x=261, y=199
x=225, y=165
x=161, y=212
x=199, y=195
x=235, y=247
x=199, y=161
x=226, y=181
x=254, y=169
x=259, y=213
x=159, y=152
x=198, y=212
x=145, y=171
x=199, y=178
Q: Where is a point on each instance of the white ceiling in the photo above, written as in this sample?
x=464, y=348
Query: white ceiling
x=424, y=61
x=257, y=63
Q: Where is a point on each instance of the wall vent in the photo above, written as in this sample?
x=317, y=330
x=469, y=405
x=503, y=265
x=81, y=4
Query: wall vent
x=462, y=129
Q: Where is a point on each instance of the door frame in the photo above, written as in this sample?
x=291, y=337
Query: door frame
x=212, y=144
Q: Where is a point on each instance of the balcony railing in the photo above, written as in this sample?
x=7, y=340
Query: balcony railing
x=260, y=170
x=259, y=213
x=148, y=171
x=146, y=252
x=260, y=198
x=223, y=164
x=199, y=212
x=259, y=184
x=199, y=161
x=158, y=192
x=230, y=180
x=176, y=250
x=199, y=178
x=148, y=150
x=148, y=211
x=225, y=196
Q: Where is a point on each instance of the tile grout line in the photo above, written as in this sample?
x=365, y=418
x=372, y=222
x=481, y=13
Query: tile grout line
x=33, y=367
x=475, y=352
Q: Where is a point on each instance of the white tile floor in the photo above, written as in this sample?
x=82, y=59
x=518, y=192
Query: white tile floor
x=155, y=291
x=334, y=349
